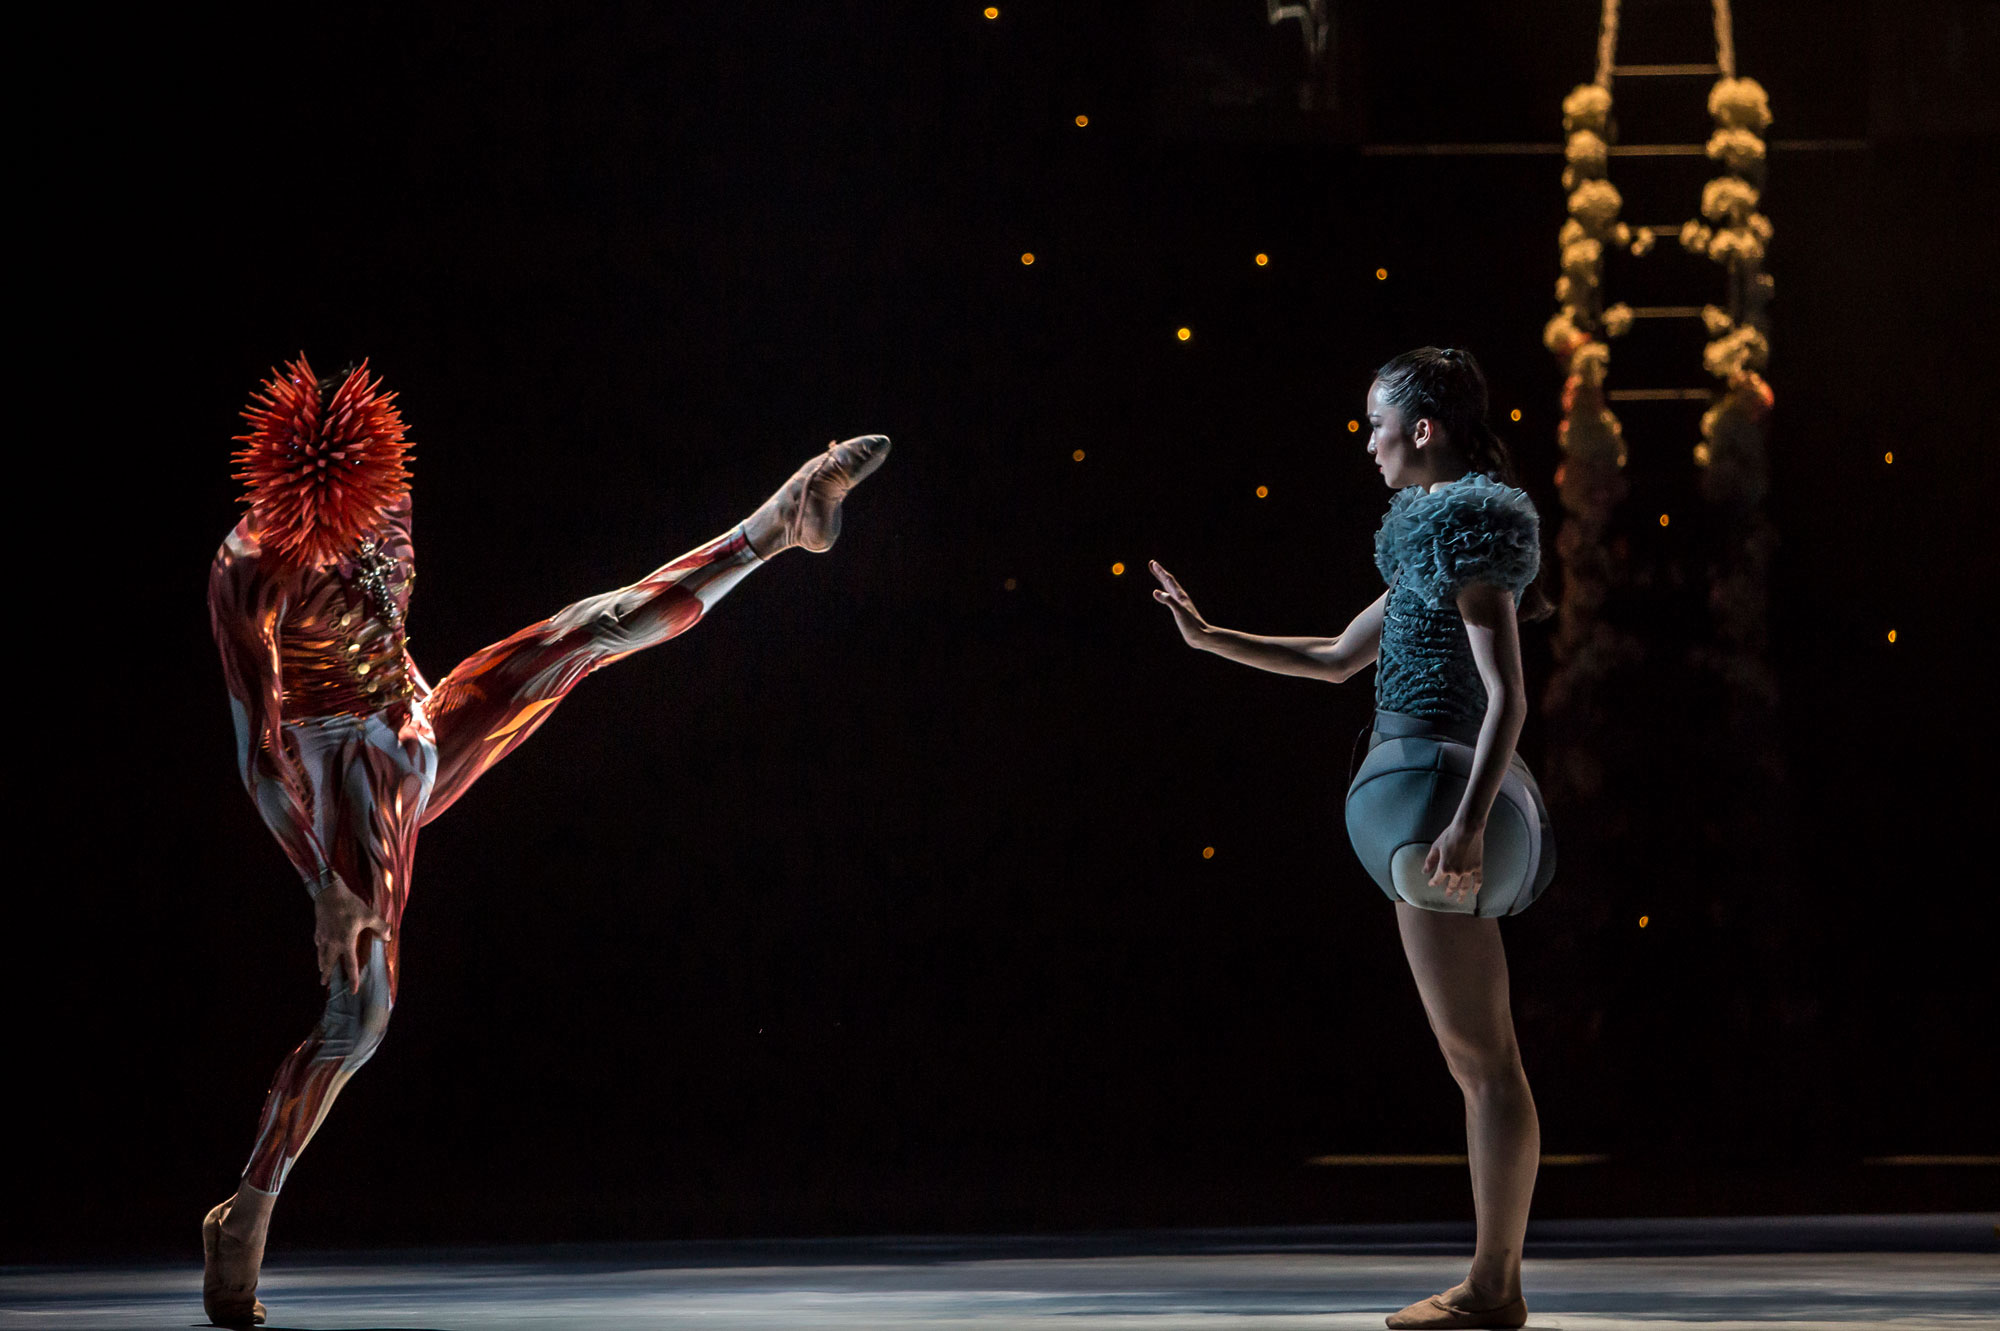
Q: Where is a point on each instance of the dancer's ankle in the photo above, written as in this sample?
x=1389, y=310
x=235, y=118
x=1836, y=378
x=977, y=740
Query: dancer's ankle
x=246, y=1218
x=765, y=530
x=1482, y=1290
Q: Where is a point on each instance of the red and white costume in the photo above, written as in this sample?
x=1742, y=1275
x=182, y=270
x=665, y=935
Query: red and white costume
x=345, y=749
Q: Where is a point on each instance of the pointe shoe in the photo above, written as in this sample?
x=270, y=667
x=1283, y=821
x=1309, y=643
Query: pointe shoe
x=226, y=1304
x=1438, y=1313
x=810, y=500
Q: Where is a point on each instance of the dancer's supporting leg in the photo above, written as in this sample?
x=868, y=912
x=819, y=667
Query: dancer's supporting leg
x=497, y=697
x=368, y=785
x=1461, y=972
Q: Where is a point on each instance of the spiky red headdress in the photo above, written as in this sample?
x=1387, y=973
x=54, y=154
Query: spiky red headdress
x=320, y=474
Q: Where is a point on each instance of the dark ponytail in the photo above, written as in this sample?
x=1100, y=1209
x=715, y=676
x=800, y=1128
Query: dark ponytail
x=1446, y=385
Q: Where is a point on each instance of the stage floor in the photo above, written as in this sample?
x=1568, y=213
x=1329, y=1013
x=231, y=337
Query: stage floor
x=1848, y=1272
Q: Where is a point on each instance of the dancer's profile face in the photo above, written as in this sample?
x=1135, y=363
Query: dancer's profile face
x=1397, y=454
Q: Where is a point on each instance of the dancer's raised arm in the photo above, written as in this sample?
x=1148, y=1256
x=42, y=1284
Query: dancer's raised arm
x=1331, y=659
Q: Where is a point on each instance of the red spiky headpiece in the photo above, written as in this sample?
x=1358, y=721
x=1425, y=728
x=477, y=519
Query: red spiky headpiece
x=320, y=474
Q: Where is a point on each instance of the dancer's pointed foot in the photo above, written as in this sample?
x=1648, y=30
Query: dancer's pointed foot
x=229, y=1273
x=1450, y=1310
x=806, y=509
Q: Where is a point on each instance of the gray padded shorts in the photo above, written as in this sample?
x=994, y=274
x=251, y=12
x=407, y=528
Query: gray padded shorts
x=1405, y=794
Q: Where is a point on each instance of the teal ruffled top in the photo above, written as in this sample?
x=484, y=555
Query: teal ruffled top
x=1430, y=545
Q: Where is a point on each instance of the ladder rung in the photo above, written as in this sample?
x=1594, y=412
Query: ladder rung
x=1661, y=71
x=1462, y=150
x=1556, y=149
x=1666, y=311
x=1659, y=395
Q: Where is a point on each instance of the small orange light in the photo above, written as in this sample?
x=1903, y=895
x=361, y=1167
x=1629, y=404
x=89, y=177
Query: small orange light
x=1027, y=258
x=1381, y=274
x=1184, y=333
x=1354, y=427
x=1643, y=919
x=1889, y=458
x=992, y=12
x=1010, y=584
x=1081, y=121
x=1208, y=852
x=1076, y=456
x=1263, y=259
x=1117, y=570
x=1892, y=635
x=1263, y=492
x=1663, y=519
x=1702, y=457
x=1515, y=414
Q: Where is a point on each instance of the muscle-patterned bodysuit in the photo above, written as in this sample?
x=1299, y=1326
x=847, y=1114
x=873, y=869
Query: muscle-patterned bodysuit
x=347, y=752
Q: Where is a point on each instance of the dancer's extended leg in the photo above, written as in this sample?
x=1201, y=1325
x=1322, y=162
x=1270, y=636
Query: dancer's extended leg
x=502, y=694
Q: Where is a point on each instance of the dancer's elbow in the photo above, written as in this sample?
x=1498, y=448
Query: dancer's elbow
x=1339, y=663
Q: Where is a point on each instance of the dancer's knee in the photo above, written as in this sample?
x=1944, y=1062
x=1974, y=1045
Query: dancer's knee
x=1481, y=1060
x=372, y=1025
x=355, y=1022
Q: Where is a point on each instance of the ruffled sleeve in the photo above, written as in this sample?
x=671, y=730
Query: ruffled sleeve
x=1474, y=530
x=1392, y=538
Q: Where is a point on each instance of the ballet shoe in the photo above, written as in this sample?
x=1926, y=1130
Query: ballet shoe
x=1439, y=1312
x=226, y=1304
x=809, y=503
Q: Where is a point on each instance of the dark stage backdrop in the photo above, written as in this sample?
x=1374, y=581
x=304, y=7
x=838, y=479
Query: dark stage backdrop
x=879, y=901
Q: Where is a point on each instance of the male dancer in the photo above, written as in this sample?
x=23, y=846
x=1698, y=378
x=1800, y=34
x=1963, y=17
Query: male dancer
x=347, y=751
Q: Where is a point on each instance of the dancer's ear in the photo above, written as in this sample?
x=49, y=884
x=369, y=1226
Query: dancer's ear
x=1422, y=432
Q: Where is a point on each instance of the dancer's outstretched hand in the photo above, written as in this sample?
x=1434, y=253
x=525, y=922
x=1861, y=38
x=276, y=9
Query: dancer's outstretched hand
x=340, y=918
x=1186, y=618
x=1456, y=861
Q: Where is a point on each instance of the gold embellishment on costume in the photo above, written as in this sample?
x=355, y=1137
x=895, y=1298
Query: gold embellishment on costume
x=341, y=651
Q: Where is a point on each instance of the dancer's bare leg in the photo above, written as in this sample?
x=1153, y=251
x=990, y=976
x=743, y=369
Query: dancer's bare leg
x=1461, y=973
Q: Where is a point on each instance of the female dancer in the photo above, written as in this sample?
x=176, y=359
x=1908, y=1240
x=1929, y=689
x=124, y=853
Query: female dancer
x=1458, y=548
x=347, y=751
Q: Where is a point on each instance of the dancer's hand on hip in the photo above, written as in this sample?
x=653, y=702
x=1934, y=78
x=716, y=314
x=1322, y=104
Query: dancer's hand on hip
x=340, y=918
x=1186, y=618
x=1456, y=860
